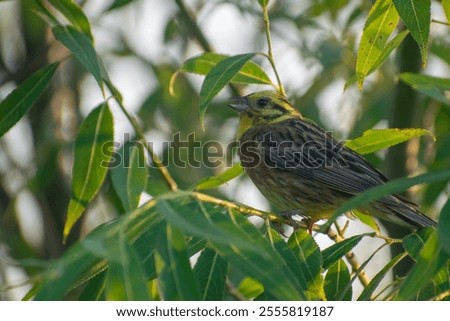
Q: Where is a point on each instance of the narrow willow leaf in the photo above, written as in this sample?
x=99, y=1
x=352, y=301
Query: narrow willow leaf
x=380, y=23
x=211, y=272
x=308, y=254
x=367, y=220
x=94, y=289
x=239, y=242
x=81, y=47
x=75, y=15
x=336, y=251
x=263, y=3
x=250, y=73
x=429, y=262
x=218, y=77
x=336, y=280
x=446, y=6
x=434, y=87
x=444, y=227
x=390, y=46
x=218, y=180
x=19, y=101
x=416, y=14
x=145, y=246
x=84, y=259
x=68, y=270
x=413, y=243
x=176, y=278
x=392, y=187
x=376, y=139
x=441, y=49
x=129, y=177
x=91, y=161
x=118, y=4
x=125, y=278
x=250, y=288
x=291, y=260
x=370, y=289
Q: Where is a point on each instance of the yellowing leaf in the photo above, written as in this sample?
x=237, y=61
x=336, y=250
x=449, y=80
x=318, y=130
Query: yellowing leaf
x=376, y=139
x=380, y=24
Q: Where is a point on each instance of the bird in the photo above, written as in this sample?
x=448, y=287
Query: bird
x=302, y=170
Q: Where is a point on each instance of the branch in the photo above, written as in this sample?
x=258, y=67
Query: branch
x=351, y=258
x=270, y=51
x=156, y=160
x=198, y=34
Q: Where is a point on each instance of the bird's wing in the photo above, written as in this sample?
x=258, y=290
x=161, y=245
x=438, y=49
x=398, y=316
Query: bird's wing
x=312, y=154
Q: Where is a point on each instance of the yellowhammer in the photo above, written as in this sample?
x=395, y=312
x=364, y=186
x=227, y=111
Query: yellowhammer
x=302, y=170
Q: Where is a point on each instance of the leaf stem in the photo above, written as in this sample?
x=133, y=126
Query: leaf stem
x=270, y=51
x=350, y=256
x=156, y=160
x=445, y=23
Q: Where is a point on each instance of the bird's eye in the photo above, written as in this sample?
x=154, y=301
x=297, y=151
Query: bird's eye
x=263, y=102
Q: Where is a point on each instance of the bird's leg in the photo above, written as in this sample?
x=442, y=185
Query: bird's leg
x=288, y=216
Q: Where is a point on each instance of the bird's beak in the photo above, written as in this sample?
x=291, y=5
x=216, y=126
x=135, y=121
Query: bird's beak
x=239, y=104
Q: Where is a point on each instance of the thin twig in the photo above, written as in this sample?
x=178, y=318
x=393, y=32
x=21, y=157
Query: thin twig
x=234, y=292
x=156, y=160
x=351, y=258
x=270, y=51
x=441, y=296
x=445, y=23
x=198, y=34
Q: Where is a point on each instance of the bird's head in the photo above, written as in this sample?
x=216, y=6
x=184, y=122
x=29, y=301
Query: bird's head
x=261, y=108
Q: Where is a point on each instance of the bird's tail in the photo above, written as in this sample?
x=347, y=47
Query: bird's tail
x=395, y=209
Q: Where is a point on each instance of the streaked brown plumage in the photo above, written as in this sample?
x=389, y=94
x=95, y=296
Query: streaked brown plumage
x=301, y=169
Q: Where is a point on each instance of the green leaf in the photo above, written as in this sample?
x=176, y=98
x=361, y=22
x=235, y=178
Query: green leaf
x=336, y=251
x=370, y=289
x=416, y=14
x=413, y=243
x=211, y=271
x=380, y=23
x=91, y=161
x=336, y=281
x=176, y=278
x=263, y=3
x=250, y=73
x=118, y=4
x=441, y=49
x=222, y=178
x=81, y=47
x=367, y=220
x=390, y=46
x=250, y=288
x=444, y=227
x=19, y=101
x=125, y=278
x=239, y=242
x=446, y=6
x=429, y=262
x=434, y=87
x=291, y=260
x=129, y=177
x=94, y=289
x=75, y=15
x=218, y=77
x=376, y=139
x=85, y=258
x=305, y=248
x=392, y=187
